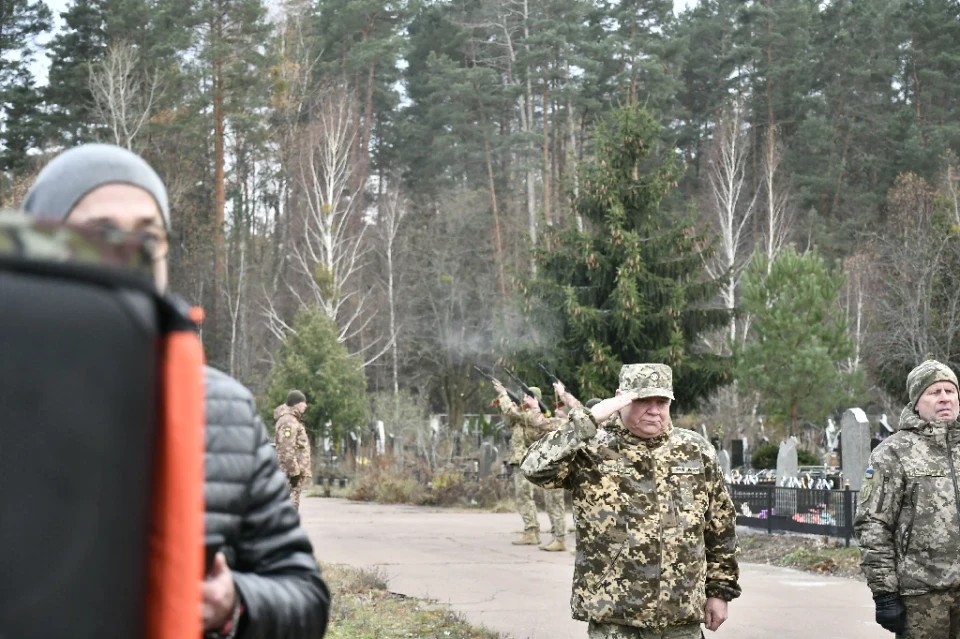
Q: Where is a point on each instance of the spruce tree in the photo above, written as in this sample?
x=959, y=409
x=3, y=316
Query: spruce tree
x=631, y=287
x=313, y=361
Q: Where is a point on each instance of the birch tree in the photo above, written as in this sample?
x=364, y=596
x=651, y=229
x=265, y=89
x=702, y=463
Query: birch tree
x=123, y=95
x=731, y=206
x=776, y=212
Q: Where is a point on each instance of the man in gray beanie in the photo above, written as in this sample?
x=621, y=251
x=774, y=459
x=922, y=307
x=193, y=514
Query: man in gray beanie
x=105, y=184
x=265, y=582
x=909, y=510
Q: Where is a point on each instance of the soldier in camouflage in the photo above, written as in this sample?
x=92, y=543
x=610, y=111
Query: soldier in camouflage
x=908, y=513
x=527, y=425
x=293, y=445
x=656, y=529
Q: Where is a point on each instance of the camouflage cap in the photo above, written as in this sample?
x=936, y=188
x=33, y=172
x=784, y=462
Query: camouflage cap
x=925, y=375
x=647, y=380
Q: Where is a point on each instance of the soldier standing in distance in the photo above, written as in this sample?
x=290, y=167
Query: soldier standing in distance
x=656, y=529
x=293, y=445
x=527, y=424
x=908, y=513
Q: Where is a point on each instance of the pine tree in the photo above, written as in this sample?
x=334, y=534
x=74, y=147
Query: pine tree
x=81, y=42
x=24, y=127
x=21, y=21
x=800, y=340
x=632, y=287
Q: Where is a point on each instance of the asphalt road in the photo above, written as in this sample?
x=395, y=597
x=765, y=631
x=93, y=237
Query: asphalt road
x=464, y=559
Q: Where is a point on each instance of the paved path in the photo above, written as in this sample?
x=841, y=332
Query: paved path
x=465, y=559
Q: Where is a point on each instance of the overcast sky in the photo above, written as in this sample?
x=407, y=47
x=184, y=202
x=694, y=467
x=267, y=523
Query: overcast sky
x=59, y=6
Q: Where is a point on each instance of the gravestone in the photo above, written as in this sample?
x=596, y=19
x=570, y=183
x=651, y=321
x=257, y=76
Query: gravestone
x=488, y=455
x=855, y=434
x=737, y=447
x=787, y=465
x=724, y=459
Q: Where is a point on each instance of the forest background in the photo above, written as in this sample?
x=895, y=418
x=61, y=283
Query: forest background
x=372, y=196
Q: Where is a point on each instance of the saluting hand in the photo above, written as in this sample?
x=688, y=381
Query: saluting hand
x=605, y=409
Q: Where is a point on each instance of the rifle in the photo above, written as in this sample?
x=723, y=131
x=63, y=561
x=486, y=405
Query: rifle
x=553, y=378
x=490, y=378
x=527, y=391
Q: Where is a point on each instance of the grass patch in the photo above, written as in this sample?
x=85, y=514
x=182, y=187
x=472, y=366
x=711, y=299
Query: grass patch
x=811, y=554
x=364, y=608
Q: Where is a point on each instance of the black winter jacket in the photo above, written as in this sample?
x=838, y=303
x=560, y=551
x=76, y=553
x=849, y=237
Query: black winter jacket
x=247, y=502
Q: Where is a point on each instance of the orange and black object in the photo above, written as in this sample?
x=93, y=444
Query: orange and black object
x=101, y=453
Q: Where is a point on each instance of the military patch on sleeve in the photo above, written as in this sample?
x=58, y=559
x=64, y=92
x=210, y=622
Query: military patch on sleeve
x=286, y=432
x=867, y=487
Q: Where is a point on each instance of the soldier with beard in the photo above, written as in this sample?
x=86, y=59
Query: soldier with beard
x=293, y=445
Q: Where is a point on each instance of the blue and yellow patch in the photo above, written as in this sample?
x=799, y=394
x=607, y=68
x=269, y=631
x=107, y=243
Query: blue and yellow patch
x=869, y=473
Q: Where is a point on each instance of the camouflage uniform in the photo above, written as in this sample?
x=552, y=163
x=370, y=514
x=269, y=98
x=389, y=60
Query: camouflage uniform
x=908, y=521
x=524, y=427
x=293, y=449
x=553, y=498
x=656, y=529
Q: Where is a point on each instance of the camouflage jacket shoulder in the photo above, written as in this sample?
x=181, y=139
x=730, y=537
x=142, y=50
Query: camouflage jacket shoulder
x=24, y=238
x=656, y=529
x=907, y=523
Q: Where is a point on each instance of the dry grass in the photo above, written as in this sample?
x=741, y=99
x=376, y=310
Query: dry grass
x=364, y=608
x=811, y=554
x=446, y=487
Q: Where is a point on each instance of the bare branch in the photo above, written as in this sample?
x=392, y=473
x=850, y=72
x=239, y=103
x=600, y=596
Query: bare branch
x=123, y=95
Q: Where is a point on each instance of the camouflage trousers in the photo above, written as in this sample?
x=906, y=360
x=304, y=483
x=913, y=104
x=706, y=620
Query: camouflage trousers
x=935, y=615
x=296, y=485
x=527, y=507
x=615, y=631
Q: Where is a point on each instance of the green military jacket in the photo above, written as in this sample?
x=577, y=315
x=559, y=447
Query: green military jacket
x=524, y=427
x=907, y=523
x=656, y=528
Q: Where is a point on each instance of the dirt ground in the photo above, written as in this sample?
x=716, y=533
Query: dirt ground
x=820, y=555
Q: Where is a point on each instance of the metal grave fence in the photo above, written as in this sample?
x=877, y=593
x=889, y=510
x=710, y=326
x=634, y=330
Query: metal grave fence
x=801, y=510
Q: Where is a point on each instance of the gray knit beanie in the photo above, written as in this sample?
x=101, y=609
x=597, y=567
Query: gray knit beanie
x=74, y=173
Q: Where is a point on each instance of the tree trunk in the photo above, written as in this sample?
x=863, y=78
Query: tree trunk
x=367, y=127
x=219, y=177
x=546, y=147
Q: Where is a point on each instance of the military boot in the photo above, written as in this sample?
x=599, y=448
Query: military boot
x=556, y=545
x=530, y=538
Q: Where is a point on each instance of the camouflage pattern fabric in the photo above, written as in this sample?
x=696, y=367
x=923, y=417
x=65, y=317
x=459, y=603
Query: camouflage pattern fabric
x=933, y=616
x=523, y=424
x=526, y=506
x=614, y=631
x=656, y=528
x=293, y=445
x=925, y=375
x=295, y=485
x=907, y=524
x=647, y=380
x=556, y=510
x=24, y=237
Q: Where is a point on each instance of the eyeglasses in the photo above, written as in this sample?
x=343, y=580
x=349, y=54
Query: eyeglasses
x=152, y=237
